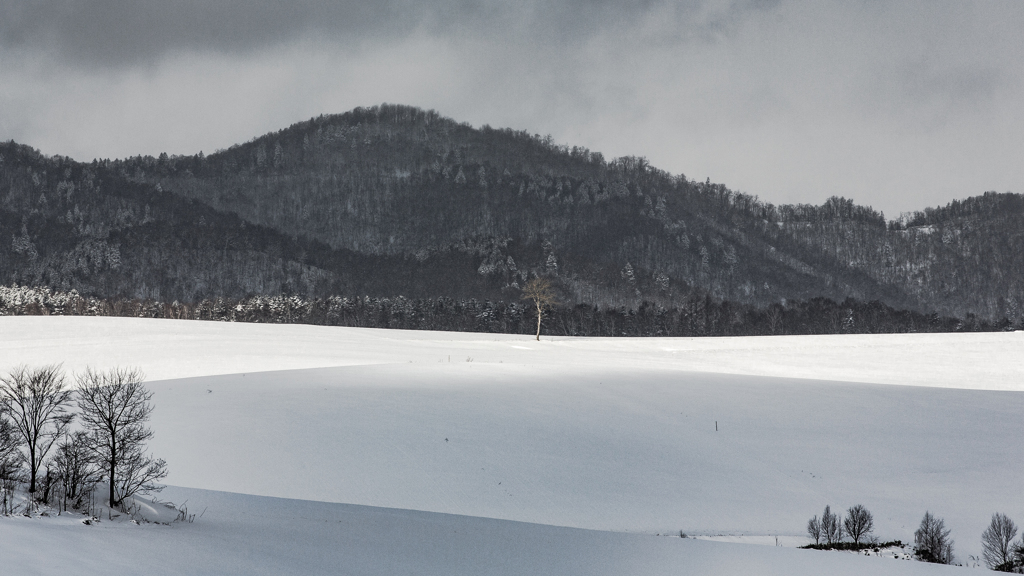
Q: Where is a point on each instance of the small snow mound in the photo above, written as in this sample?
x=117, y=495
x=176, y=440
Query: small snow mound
x=150, y=510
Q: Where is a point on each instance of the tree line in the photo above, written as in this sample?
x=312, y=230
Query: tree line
x=699, y=316
x=932, y=540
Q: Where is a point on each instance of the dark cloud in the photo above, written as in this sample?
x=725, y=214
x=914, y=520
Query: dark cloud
x=127, y=32
x=113, y=32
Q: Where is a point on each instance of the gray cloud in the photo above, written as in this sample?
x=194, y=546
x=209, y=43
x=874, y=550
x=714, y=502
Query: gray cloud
x=116, y=32
x=895, y=104
x=128, y=32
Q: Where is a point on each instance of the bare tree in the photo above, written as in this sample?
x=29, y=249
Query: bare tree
x=74, y=468
x=114, y=407
x=997, y=543
x=37, y=401
x=814, y=529
x=539, y=290
x=831, y=527
x=10, y=462
x=859, y=523
x=1017, y=556
x=774, y=317
x=932, y=542
x=9, y=479
x=9, y=445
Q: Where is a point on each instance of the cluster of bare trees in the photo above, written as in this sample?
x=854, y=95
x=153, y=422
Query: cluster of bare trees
x=60, y=440
x=932, y=541
x=854, y=532
x=831, y=528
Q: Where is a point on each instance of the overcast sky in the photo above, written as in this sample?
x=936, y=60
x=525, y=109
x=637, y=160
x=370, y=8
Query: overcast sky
x=898, y=105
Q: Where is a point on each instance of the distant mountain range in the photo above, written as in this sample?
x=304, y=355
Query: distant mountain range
x=394, y=200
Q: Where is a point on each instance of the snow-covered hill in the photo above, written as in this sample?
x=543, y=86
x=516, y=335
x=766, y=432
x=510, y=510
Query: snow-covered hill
x=602, y=434
x=251, y=535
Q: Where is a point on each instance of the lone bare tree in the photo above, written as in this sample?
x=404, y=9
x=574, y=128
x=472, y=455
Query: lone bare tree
x=114, y=407
x=858, y=523
x=997, y=543
x=932, y=542
x=539, y=290
x=37, y=401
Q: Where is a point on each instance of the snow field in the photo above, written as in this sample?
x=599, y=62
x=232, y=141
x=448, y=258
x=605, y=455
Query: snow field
x=630, y=450
x=252, y=535
x=602, y=434
x=168, y=349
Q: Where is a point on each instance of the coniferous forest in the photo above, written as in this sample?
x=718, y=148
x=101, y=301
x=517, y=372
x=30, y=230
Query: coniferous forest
x=393, y=216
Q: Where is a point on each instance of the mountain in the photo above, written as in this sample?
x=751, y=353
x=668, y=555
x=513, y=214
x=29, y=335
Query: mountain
x=394, y=200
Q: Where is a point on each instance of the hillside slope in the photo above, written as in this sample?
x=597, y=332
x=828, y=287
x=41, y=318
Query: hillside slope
x=252, y=535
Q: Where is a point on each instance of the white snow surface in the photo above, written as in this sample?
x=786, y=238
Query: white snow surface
x=251, y=535
x=182, y=348
x=412, y=451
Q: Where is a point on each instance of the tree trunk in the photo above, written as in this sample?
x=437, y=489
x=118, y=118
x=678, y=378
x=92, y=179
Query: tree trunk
x=113, y=467
x=31, y=470
x=49, y=485
x=538, y=320
x=112, y=486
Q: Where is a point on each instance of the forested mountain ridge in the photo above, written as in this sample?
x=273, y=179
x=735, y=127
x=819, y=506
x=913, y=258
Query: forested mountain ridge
x=86, y=227
x=400, y=181
x=393, y=200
